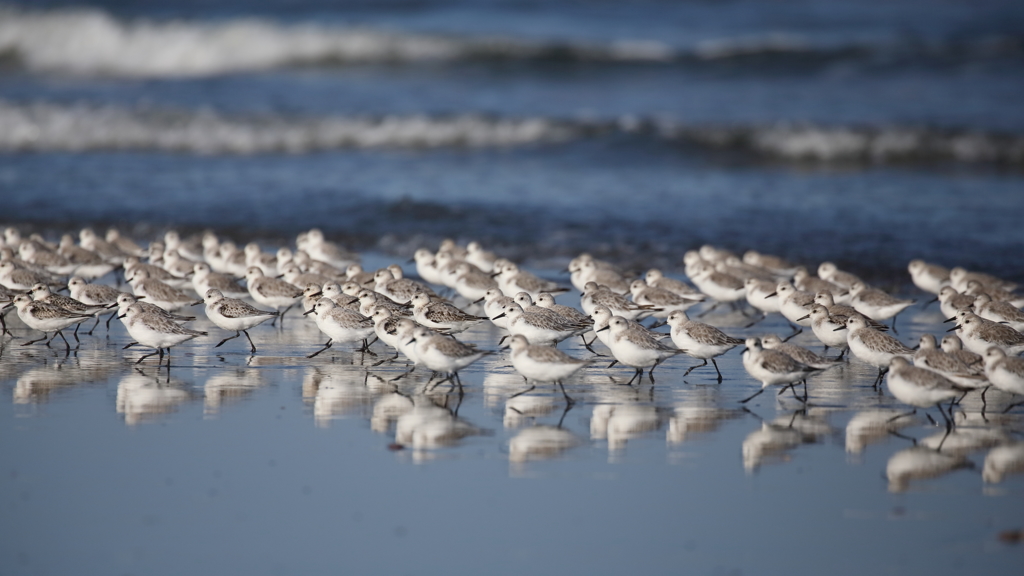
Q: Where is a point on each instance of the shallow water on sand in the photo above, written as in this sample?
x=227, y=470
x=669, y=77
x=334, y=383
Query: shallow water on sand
x=277, y=464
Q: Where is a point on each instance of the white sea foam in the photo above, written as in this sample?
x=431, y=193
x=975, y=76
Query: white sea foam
x=88, y=41
x=83, y=127
x=48, y=127
x=809, y=142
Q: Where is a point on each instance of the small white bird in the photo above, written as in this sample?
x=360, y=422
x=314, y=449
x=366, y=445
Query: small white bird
x=234, y=314
x=152, y=330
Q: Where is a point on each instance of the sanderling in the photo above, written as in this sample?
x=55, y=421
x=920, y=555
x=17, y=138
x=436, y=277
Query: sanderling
x=798, y=353
x=778, y=266
x=1005, y=372
x=124, y=300
x=234, y=314
x=123, y=243
x=959, y=277
x=701, y=341
x=663, y=301
x=159, y=293
x=471, y=283
x=385, y=325
x=829, y=271
x=928, y=277
x=733, y=266
x=978, y=334
x=426, y=267
x=1002, y=312
x=876, y=304
x=772, y=367
x=232, y=260
x=952, y=345
x=975, y=288
x=656, y=278
x=719, y=286
x=46, y=318
x=320, y=249
x=16, y=278
x=874, y=347
x=88, y=264
x=42, y=293
x=449, y=245
x=444, y=354
x=635, y=346
x=803, y=280
x=296, y=277
x=951, y=301
x=406, y=342
x=921, y=388
x=543, y=363
x=446, y=264
x=254, y=256
x=512, y=280
x=482, y=259
x=400, y=290
x=178, y=265
x=714, y=254
x=340, y=297
x=271, y=292
x=133, y=264
x=441, y=315
x=307, y=264
x=830, y=329
x=929, y=356
x=577, y=276
x=494, y=304
x=539, y=328
x=341, y=325
x=370, y=301
x=94, y=295
x=794, y=304
x=88, y=239
x=190, y=249
x=204, y=279
x=355, y=273
x=310, y=295
x=545, y=300
x=589, y=271
x=155, y=331
x=762, y=295
x=596, y=295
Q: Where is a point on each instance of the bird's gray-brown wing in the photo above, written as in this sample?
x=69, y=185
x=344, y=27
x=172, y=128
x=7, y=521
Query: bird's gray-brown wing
x=552, y=355
x=451, y=347
x=441, y=312
x=234, y=308
x=47, y=311
x=159, y=323
x=160, y=292
x=707, y=334
x=880, y=342
x=275, y=288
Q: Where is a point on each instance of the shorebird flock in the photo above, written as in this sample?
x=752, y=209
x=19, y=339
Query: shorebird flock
x=152, y=291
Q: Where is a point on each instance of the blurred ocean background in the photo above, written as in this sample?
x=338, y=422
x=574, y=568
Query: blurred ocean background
x=865, y=132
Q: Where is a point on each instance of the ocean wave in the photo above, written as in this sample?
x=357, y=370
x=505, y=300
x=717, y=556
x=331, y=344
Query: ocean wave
x=81, y=127
x=890, y=144
x=51, y=127
x=90, y=41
